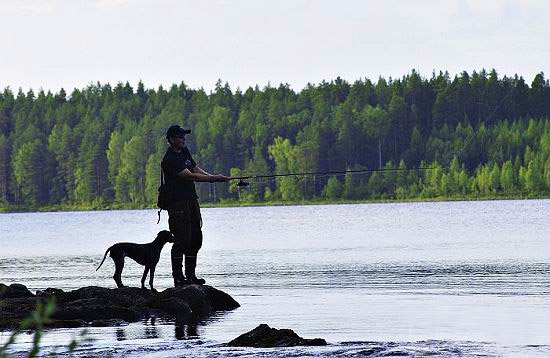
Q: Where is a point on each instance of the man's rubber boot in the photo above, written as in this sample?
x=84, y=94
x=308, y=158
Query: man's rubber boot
x=190, y=265
x=177, y=274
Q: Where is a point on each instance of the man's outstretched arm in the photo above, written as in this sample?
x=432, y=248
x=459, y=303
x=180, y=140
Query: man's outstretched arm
x=198, y=169
x=202, y=177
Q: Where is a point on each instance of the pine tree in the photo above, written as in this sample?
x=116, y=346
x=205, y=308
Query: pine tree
x=534, y=181
x=415, y=152
x=132, y=171
x=5, y=162
x=114, y=153
x=257, y=166
x=29, y=175
x=494, y=178
x=283, y=154
x=349, y=190
x=375, y=185
x=152, y=178
x=376, y=123
x=507, y=177
x=333, y=189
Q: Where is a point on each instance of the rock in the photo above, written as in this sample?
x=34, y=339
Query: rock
x=17, y=308
x=108, y=323
x=125, y=296
x=15, y=290
x=154, y=313
x=95, y=309
x=264, y=336
x=48, y=292
x=9, y=324
x=101, y=306
x=202, y=299
x=175, y=307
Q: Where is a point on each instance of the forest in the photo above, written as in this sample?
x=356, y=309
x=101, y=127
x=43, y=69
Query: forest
x=483, y=136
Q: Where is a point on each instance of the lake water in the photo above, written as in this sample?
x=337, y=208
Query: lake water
x=416, y=279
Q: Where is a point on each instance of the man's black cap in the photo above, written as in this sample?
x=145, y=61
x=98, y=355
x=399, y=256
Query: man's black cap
x=176, y=130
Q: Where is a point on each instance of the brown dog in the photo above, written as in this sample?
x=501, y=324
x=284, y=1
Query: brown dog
x=147, y=255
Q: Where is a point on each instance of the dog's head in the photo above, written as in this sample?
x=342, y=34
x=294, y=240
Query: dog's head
x=165, y=236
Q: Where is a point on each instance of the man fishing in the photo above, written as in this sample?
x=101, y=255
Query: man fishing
x=184, y=217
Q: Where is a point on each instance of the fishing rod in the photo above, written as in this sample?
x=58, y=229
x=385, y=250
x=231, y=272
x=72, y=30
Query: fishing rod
x=243, y=180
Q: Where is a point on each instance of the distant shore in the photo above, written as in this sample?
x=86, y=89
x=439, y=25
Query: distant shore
x=233, y=203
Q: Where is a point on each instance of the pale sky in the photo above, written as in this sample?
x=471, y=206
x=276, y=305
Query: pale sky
x=51, y=44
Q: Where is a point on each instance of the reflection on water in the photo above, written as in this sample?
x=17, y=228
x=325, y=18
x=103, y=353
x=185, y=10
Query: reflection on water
x=186, y=331
x=120, y=334
x=151, y=332
x=440, y=275
x=136, y=332
x=147, y=331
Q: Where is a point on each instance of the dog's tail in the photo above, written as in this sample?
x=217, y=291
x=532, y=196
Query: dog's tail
x=102, y=261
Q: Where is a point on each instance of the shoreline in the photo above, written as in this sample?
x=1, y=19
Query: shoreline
x=233, y=203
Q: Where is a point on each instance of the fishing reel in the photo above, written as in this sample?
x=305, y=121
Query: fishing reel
x=243, y=183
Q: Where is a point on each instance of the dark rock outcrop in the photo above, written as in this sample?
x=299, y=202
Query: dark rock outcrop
x=90, y=309
x=15, y=290
x=203, y=300
x=264, y=336
x=100, y=306
x=174, y=306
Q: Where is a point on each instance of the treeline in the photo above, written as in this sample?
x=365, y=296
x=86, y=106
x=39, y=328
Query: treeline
x=102, y=145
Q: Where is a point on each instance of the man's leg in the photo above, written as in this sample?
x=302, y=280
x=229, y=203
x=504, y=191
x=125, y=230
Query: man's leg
x=179, y=224
x=190, y=265
x=177, y=264
x=194, y=245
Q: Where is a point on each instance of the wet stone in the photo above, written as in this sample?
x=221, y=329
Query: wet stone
x=264, y=336
x=101, y=306
x=48, y=292
x=15, y=290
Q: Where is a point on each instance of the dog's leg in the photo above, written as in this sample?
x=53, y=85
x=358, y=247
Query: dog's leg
x=151, y=278
x=119, y=265
x=144, y=276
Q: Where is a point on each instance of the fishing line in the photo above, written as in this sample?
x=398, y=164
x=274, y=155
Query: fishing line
x=244, y=180
x=482, y=122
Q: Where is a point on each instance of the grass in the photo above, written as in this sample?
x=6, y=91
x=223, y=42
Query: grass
x=37, y=322
x=235, y=203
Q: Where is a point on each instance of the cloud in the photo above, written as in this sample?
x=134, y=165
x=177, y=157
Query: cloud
x=107, y=3
x=37, y=7
x=249, y=41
